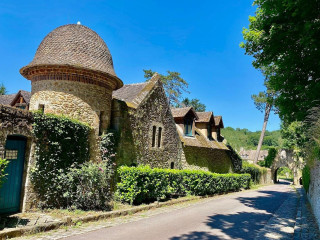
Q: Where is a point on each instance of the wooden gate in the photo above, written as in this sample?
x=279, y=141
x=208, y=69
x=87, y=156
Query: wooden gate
x=10, y=192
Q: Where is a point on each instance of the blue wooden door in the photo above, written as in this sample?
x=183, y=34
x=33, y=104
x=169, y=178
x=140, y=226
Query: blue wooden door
x=10, y=192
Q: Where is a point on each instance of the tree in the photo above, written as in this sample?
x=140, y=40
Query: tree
x=3, y=90
x=173, y=84
x=264, y=102
x=283, y=38
x=195, y=103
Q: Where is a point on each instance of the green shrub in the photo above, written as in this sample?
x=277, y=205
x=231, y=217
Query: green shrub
x=3, y=165
x=255, y=171
x=306, y=177
x=272, y=153
x=60, y=143
x=87, y=186
x=143, y=184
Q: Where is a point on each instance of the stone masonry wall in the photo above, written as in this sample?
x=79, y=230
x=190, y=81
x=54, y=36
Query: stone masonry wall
x=154, y=111
x=14, y=121
x=314, y=190
x=81, y=101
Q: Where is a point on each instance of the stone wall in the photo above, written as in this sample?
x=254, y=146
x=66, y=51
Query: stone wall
x=14, y=121
x=208, y=159
x=266, y=178
x=135, y=128
x=85, y=102
x=314, y=190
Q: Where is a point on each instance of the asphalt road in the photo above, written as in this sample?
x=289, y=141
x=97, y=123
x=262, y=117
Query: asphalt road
x=236, y=216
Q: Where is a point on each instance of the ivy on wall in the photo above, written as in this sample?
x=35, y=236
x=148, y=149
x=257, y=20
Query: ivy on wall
x=60, y=143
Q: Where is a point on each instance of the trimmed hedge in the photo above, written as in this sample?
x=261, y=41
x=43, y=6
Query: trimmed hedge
x=143, y=184
x=255, y=171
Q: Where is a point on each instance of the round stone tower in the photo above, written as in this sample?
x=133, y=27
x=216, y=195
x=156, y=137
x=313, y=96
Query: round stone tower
x=72, y=74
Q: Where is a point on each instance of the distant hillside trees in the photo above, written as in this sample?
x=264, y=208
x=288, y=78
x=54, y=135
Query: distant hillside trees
x=249, y=140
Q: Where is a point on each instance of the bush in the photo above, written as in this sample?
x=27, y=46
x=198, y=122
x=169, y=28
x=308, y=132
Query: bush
x=3, y=165
x=306, y=177
x=87, y=186
x=60, y=144
x=255, y=171
x=272, y=153
x=143, y=184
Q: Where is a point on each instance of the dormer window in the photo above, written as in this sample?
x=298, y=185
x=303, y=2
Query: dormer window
x=188, y=127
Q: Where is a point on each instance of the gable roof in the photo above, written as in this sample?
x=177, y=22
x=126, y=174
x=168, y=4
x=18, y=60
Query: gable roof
x=199, y=140
x=9, y=99
x=134, y=94
x=218, y=121
x=182, y=112
x=204, y=116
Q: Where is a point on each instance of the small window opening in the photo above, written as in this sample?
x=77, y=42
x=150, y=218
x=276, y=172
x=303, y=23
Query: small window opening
x=154, y=129
x=172, y=165
x=159, y=137
x=101, y=122
x=41, y=108
x=188, y=127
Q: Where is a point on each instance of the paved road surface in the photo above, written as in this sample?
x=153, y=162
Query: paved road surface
x=235, y=216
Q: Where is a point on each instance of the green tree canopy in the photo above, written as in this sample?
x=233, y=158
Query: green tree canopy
x=283, y=37
x=3, y=89
x=174, y=85
x=195, y=103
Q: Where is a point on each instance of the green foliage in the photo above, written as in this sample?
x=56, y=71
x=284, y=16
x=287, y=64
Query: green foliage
x=86, y=186
x=3, y=89
x=262, y=100
x=285, y=172
x=294, y=136
x=283, y=38
x=255, y=171
x=249, y=140
x=143, y=184
x=306, y=177
x=3, y=165
x=61, y=143
x=195, y=103
x=272, y=153
x=173, y=84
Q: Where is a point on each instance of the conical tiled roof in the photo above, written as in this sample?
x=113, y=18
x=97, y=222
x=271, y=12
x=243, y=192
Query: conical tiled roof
x=76, y=46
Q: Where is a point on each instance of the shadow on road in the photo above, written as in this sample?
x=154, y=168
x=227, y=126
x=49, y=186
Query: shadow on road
x=242, y=225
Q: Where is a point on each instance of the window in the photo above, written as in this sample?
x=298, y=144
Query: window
x=172, y=165
x=188, y=127
x=41, y=108
x=209, y=131
x=159, y=136
x=154, y=129
x=101, y=117
x=11, y=154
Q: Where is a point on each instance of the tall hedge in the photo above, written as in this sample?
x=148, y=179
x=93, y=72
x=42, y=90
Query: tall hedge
x=143, y=184
x=255, y=171
x=60, y=143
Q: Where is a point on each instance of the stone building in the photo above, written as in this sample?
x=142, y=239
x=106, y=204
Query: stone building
x=201, y=150
x=72, y=74
x=21, y=99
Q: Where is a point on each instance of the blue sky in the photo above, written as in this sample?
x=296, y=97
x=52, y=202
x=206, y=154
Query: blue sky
x=199, y=39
